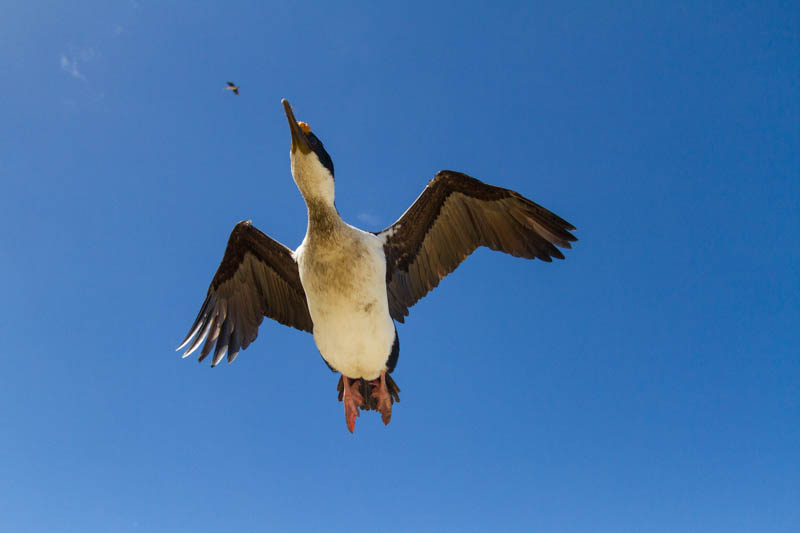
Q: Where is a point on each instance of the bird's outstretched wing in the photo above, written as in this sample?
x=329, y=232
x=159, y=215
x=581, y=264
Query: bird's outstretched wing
x=257, y=277
x=453, y=216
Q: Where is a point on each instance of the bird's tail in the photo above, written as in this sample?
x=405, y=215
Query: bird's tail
x=364, y=387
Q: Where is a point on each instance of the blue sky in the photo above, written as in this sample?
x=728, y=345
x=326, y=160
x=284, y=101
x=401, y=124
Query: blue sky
x=650, y=382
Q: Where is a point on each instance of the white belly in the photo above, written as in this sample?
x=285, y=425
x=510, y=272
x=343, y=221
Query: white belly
x=345, y=287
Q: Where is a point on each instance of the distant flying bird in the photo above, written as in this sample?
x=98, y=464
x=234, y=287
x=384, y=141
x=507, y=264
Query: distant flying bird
x=348, y=286
x=232, y=87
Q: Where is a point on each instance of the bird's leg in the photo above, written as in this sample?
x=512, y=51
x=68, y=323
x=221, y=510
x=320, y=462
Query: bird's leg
x=352, y=401
x=381, y=393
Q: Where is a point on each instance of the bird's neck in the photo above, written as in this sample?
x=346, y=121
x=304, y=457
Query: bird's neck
x=317, y=187
x=323, y=219
x=314, y=181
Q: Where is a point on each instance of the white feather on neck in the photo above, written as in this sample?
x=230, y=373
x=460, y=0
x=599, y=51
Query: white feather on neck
x=312, y=178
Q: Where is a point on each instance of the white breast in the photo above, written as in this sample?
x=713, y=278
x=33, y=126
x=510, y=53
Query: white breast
x=344, y=278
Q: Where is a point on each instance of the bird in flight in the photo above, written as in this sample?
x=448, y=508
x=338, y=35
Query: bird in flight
x=232, y=87
x=347, y=286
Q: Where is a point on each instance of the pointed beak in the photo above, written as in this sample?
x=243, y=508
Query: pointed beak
x=298, y=137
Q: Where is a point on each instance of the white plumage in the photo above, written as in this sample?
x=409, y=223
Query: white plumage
x=344, y=277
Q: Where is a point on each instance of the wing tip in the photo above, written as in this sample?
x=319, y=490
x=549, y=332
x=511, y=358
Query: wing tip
x=192, y=332
x=184, y=343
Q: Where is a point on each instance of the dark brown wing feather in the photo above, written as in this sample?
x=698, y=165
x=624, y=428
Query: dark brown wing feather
x=453, y=216
x=257, y=277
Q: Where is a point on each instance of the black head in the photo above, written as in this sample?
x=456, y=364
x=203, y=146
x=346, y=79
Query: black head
x=316, y=146
x=304, y=140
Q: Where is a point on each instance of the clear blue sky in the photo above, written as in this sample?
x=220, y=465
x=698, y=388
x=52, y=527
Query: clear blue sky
x=650, y=382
